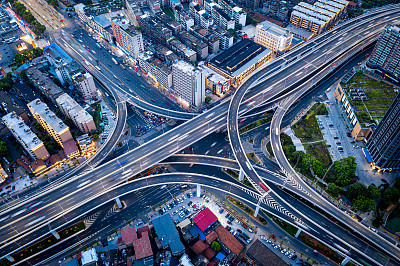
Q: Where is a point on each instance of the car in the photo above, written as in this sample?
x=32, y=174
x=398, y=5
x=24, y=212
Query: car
x=277, y=246
x=80, y=41
x=322, y=128
x=283, y=251
x=227, y=215
x=240, y=231
x=331, y=125
x=336, y=137
x=174, y=212
x=153, y=100
x=248, y=241
x=139, y=223
x=338, y=143
x=287, y=253
x=294, y=257
x=373, y=229
x=250, y=230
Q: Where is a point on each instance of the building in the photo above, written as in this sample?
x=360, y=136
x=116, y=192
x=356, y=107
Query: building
x=168, y=234
x=182, y=50
x=211, y=39
x=85, y=83
x=220, y=17
x=60, y=60
x=235, y=12
x=318, y=17
x=261, y=255
x=85, y=143
x=50, y=122
x=23, y=92
x=194, y=43
x=239, y=61
x=130, y=39
x=24, y=135
x=171, y=24
x=81, y=118
x=159, y=71
x=215, y=82
x=189, y=83
x=201, y=17
x=183, y=17
x=359, y=131
x=43, y=83
x=3, y=174
x=206, y=221
x=273, y=37
x=156, y=31
x=9, y=105
x=384, y=144
x=225, y=38
x=386, y=54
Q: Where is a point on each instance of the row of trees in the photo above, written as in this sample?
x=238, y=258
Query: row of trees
x=21, y=59
x=26, y=15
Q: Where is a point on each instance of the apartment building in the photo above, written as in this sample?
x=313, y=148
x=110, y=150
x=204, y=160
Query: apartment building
x=171, y=24
x=50, y=122
x=156, y=31
x=182, y=50
x=129, y=39
x=220, y=17
x=273, y=37
x=215, y=82
x=24, y=135
x=194, y=43
x=81, y=118
x=159, y=71
x=183, y=17
x=208, y=37
x=189, y=83
x=386, y=54
x=201, y=16
x=85, y=83
x=225, y=38
x=235, y=12
x=43, y=83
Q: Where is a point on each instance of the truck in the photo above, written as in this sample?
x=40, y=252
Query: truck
x=115, y=61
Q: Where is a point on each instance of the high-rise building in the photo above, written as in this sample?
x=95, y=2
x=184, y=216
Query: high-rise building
x=130, y=39
x=50, y=122
x=386, y=54
x=384, y=144
x=85, y=83
x=23, y=134
x=189, y=83
x=273, y=37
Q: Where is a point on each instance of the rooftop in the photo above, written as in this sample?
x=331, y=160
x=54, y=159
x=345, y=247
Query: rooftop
x=327, y=7
x=229, y=240
x=272, y=28
x=44, y=83
x=239, y=57
x=318, y=9
x=142, y=247
x=89, y=256
x=167, y=233
x=102, y=21
x=263, y=256
x=70, y=147
x=307, y=17
x=204, y=219
x=199, y=247
x=12, y=120
x=9, y=105
x=129, y=235
x=311, y=13
x=40, y=108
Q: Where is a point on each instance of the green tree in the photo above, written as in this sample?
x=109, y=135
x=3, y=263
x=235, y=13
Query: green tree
x=364, y=204
x=208, y=99
x=4, y=150
x=215, y=246
x=356, y=189
x=238, y=26
x=334, y=189
x=344, y=170
x=391, y=195
x=95, y=136
x=374, y=192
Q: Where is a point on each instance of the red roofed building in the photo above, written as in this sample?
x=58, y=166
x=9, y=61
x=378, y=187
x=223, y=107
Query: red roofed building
x=199, y=247
x=209, y=253
x=204, y=219
x=211, y=237
x=70, y=148
x=143, y=229
x=229, y=240
x=129, y=235
x=142, y=247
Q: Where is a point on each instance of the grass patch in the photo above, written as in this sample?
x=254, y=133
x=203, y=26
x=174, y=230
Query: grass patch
x=255, y=124
x=290, y=229
x=169, y=13
x=321, y=248
x=320, y=152
x=96, y=116
x=269, y=149
x=232, y=173
x=307, y=128
x=241, y=205
x=252, y=156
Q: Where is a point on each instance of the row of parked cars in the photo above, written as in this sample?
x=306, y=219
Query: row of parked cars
x=282, y=250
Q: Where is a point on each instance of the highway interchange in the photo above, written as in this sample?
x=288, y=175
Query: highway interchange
x=61, y=203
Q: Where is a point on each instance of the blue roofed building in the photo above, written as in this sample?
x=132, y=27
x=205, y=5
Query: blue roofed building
x=168, y=234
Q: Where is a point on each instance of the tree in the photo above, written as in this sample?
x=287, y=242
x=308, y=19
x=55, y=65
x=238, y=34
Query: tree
x=378, y=220
x=215, y=246
x=208, y=99
x=4, y=151
x=238, y=26
x=391, y=195
x=374, y=192
x=344, y=170
x=334, y=189
x=95, y=137
x=364, y=204
x=57, y=81
x=356, y=189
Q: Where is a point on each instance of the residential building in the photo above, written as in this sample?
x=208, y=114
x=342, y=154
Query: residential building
x=215, y=82
x=23, y=92
x=159, y=71
x=183, y=17
x=259, y=254
x=85, y=83
x=220, y=17
x=225, y=38
x=9, y=105
x=237, y=62
x=156, y=31
x=81, y=118
x=201, y=16
x=182, y=50
x=384, y=144
x=24, y=135
x=165, y=54
x=50, y=122
x=273, y=37
x=276, y=9
x=188, y=83
x=200, y=47
x=235, y=12
x=85, y=143
x=171, y=24
x=130, y=39
x=211, y=39
x=60, y=60
x=3, y=174
x=43, y=83
x=386, y=54
x=140, y=241
x=70, y=149
x=168, y=234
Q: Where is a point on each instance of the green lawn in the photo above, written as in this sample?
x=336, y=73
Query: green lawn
x=307, y=128
x=320, y=152
x=255, y=124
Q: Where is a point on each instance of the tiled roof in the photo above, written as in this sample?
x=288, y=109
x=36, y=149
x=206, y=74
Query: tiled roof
x=142, y=247
x=229, y=240
x=199, y=247
x=129, y=235
x=204, y=219
x=209, y=253
x=70, y=147
x=211, y=236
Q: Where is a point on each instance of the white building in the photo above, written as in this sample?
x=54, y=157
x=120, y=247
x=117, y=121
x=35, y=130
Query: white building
x=273, y=37
x=239, y=15
x=128, y=38
x=188, y=83
x=85, y=83
x=70, y=108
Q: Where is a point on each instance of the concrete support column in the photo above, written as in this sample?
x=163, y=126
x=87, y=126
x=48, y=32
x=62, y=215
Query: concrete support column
x=257, y=210
x=241, y=175
x=298, y=233
x=345, y=261
x=198, y=191
x=118, y=203
x=55, y=234
x=10, y=259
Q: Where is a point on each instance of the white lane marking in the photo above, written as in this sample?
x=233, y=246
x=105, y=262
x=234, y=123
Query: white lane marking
x=84, y=183
x=35, y=221
x=298, y=74
x=21, y=211
x=276, y=130
x=174, y=137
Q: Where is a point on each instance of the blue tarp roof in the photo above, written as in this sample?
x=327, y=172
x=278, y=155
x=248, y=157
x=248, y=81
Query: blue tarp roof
x=367, y=155
x=202, y=236
x=220, y=256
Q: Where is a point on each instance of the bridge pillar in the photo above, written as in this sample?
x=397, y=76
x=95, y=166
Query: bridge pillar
x=241, y=175
x=198, y=191
x=10, y=259
x=298, y=233
x=345, y=261
x=55, y=234
x=118, y=203
x=257, y=210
